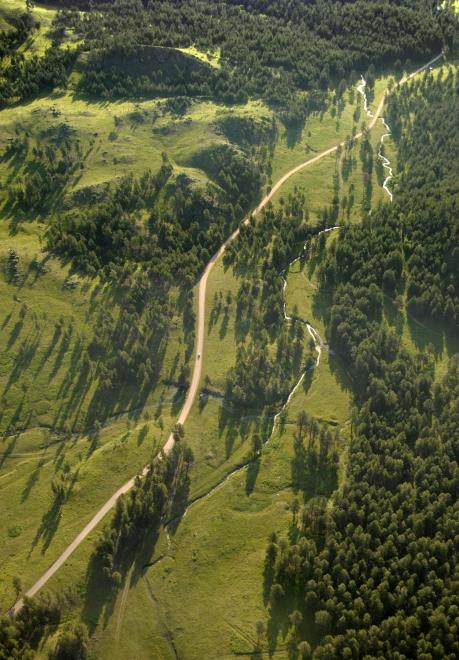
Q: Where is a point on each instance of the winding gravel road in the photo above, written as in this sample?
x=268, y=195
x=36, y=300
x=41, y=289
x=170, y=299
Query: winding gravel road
x=194, y=386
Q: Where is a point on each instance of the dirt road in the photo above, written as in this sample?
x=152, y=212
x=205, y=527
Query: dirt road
x=194, y=386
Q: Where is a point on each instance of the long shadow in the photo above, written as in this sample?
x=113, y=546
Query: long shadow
x=279, y=621
x=14, y=333
x=23, y=359
x=63, y=348
x=32, y=480
x=393, y=315
x=73, y=369
x=343, y=375
x=224, y=325
x=6, y=320
x=310, y=475
x=252, y=471
x=48, y=526
x=49, y=350
x=9, y=450
x=76, y=398
x=100, y=596
x=293, y=133
x=426, y=333
x=214, y=315
x=242, y=327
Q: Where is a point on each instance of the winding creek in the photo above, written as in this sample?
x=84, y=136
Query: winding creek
x=385, y=161
x=319, y=344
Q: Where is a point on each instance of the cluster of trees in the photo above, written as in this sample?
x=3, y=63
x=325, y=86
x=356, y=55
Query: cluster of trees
x=268, y=49
x=21, y=635
x=185, y=223
x=13, y=271
x=239, y=176
x=27, y=75
x=377, y=575
x=367, y=160
x=139, y=513
x=247, y=132
x=49, y=166
x=269, y=352
x=129, y=342
x=20, y=28
x=146, y=258
x=132, y=70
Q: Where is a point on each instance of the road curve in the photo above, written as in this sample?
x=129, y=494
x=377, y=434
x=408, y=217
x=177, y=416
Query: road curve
x=194, y=386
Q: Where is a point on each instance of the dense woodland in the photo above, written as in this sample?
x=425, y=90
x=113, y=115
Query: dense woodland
x=379, y=576
x=285, y=52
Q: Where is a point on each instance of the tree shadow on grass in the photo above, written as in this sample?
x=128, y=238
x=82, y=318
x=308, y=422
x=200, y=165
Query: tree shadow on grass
x=48, y=526
x=253, y=468
x=393, y=315
x=32, y=480
x=14, y=333
x=224, y=325
x=321, y=304
x=49, y=350
x=100, y=595
x=310, y=475
x=63, y=348
x=23, y=358
x=293, y=134
x=6, y=320
x=343, y=375
x=232, y=425
x=278, y=621
x=9, y=450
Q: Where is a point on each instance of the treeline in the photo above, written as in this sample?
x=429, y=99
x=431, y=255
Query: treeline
x=138, y=515
x=28, y=75
x=269, y=50
x=425, y=127
x=377, y=575
x=409, y=249
x=386, y=581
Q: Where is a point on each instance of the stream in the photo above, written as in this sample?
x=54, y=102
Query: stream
x=317, y=339
x=385, y=161
x=318, y=346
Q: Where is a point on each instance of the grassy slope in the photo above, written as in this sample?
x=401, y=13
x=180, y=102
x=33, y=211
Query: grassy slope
x=40, y=383
x=321, y=132
x=40, y=375
x=39, y=40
